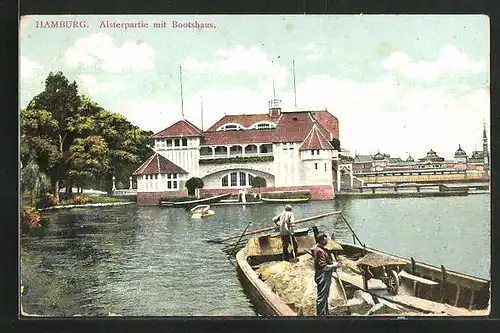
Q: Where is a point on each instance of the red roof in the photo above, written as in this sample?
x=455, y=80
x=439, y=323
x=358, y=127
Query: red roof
x=158, y=164
x=290, y=127
x=329, y=122
x=246, y=120
x=179, y=129
x=315, y=140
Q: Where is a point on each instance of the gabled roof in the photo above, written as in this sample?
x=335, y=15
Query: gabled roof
x=315, y=140
x=179, y=129
x=328, y=121
x=158, y=164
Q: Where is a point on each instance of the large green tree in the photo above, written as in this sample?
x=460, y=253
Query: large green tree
x=77, y=142
x=51, y=125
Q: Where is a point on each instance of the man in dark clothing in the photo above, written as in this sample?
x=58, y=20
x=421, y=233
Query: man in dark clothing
x=324, y=266
x=284, y=221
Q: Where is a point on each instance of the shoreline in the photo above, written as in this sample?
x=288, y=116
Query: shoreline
x=103, y=204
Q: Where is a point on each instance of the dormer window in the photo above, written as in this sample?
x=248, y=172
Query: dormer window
x=263, y=125
x=230, y=127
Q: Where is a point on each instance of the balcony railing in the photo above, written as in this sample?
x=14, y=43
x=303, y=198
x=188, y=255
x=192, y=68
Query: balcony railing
x=239, y=155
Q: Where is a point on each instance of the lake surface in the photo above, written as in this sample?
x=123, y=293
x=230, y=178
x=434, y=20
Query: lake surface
x=153, y=261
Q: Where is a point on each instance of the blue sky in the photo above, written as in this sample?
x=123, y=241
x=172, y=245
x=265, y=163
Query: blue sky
x=397, y=83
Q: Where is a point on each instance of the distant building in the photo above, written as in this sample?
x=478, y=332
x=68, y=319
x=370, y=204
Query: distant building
x=381, y=168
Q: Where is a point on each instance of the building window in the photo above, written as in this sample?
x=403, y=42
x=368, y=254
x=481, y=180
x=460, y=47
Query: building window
x=243, y=179
x=234, y=179
x=172, y=181
x=184, y=142
x=177, y=142
x=317, y=152
x=169, y=142
x=316, y=166
x=325, y=167
x=156, y=176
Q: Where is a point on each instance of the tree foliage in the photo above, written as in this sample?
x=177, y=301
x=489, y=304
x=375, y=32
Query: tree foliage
x=75, y=141
x=258, y=182
x=336, y=144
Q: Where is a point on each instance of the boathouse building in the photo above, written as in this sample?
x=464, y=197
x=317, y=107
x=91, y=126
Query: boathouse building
x=290, y=150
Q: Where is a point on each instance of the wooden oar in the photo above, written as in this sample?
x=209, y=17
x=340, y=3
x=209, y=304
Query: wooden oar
x=251, y=232
x=239, y=239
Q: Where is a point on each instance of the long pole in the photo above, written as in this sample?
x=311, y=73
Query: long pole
x=239, y=239
x=201, y=97
x=182, y=98
x=353, y=233
x=294, y=88
x=273, y=227
x=274, y=92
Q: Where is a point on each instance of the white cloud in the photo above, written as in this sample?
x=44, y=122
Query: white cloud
x=90, y=83
x=28, y=68
x=191, y=64
x=313, y=53
x=450, y=60
x=152, y=114
x=99, y=50
x=241, y=60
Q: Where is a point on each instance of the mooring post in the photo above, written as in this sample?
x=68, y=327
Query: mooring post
x=413, y=271
x=443, y=283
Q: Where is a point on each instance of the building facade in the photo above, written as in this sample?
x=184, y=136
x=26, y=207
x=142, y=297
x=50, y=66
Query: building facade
x=381, y=168
x=290, y=150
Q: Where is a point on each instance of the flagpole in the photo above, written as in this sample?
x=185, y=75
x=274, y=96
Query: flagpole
x=182, y=99
x=201, y=101
x=294, y=88
x=274, y=92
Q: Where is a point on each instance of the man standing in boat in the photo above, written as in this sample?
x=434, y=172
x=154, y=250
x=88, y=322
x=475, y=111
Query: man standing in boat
x=284, y=221
x=324, y=266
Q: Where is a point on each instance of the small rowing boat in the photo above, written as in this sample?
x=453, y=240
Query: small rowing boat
x=201, y=211
x=192, y=203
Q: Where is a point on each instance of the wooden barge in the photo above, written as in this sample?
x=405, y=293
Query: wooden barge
x=425, y=288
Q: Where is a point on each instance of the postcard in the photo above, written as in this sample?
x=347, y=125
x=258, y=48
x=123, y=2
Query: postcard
x=251, y=165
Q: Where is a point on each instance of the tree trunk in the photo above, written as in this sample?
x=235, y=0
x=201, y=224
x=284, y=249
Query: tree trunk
x=56, y=190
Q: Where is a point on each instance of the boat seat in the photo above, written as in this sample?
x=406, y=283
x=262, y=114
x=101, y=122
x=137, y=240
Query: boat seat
x=409, y=276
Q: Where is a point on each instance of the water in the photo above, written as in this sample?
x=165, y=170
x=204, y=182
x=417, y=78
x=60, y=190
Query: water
x=139, y=261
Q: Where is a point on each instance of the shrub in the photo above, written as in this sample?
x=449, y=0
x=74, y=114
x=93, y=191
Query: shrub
x=192, y=184
x=81, y=199
x=287, y=195
x=48, y=201
x=29, y=218
x=175, y=199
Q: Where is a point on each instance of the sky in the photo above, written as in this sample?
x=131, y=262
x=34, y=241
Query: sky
x=398, y=84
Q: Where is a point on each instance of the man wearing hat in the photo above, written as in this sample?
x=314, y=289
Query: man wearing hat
x=284, y=221
x=324, y=266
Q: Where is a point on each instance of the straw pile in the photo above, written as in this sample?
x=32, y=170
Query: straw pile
x=294, y=284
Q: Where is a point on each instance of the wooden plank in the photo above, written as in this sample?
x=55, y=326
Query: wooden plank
x=428, y=306
x=404, y=274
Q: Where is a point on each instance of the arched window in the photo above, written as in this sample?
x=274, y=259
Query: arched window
x=237, y=179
